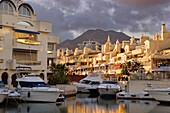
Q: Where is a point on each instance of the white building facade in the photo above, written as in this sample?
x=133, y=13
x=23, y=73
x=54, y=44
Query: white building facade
x=24, y=40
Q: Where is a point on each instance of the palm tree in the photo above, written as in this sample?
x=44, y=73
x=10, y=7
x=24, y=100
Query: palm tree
x=124, y=70
x=59, y=74
x=130, y=66
x=134, y=66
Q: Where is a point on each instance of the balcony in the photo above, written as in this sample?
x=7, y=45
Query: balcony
x=99, y=58
x=28, y=42
x=120, y=54
x=1, y=42
x=19, y=43
x=161, y=56
x=51, y=54
x=27, y=62
x=137, y=51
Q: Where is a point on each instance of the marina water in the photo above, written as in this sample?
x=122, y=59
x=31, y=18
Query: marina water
x=85, y=103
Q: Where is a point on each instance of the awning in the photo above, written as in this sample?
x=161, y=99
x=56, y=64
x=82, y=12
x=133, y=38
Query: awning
x=25, y=51
x=117, y=65
x=26, y=31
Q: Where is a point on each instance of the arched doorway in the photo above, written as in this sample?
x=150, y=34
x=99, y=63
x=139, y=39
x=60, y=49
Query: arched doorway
x=14, y=82
x=4, y=78
x=42, y=76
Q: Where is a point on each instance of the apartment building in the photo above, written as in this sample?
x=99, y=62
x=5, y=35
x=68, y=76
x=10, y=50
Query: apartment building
x=150, y=52
x=24, y=40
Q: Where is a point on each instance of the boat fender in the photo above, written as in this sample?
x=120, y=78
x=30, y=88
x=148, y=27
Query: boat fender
x=133, y=95
x=29, y=94
x=107, y=88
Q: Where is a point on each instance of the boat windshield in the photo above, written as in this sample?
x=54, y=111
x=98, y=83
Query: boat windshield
x=94, y=83
x=85, y=81
x=109, y=82
x=32, y=84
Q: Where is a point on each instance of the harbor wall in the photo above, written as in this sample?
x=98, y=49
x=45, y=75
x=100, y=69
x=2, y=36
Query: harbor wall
x=69, y=89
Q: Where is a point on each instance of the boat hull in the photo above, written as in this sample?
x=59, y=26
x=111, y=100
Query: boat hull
x=93, y=91
x=126, y=95
x=107, y=91
x=82, y=90
x=162, y=96
x=39, y=96
x=2, y=97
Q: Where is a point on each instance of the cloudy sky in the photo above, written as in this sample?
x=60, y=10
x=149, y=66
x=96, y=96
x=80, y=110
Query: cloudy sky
x=71, y=18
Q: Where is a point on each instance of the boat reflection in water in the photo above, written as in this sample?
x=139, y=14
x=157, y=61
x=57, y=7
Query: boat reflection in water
x=84, y=103
x=160, y=109
x=31, y=108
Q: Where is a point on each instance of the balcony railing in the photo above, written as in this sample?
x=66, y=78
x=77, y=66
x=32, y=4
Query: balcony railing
x=28, y=42
x=27, y=62
x=26, y=45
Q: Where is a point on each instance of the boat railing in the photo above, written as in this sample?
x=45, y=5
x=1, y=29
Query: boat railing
x=22, y=70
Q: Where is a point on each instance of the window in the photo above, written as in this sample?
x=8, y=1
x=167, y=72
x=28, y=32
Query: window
x=23, y=10
x=24, y=23
x=26, y=38
x=6, y=6
x=50, y=48
x=50, y=61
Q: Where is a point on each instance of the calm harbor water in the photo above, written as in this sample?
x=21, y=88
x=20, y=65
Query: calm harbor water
x=85, y=103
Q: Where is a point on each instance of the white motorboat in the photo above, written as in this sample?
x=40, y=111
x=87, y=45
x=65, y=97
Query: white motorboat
x=6, y=93
x=85, y=82
x=160, y=94
x=109, y=88
x=94, y=83
x=33, y=88
x=93, y=86
x=3, y=92
x=81, y=85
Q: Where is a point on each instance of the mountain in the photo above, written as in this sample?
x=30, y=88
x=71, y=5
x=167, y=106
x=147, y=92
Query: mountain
x=94, y=35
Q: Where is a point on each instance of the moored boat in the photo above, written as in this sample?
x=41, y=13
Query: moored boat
x=108, y=87
x=84, y=86
x=160, y=94
x=33, y=89
x=3, y=92
x=93, y=86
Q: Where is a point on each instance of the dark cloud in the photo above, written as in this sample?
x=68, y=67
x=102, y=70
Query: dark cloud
x=144, y=3
x=72, y=17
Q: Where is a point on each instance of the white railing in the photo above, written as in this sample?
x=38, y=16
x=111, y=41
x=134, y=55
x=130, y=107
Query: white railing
x=27, y=62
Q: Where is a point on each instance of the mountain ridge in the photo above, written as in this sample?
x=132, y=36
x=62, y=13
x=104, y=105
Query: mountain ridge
x=98, y=35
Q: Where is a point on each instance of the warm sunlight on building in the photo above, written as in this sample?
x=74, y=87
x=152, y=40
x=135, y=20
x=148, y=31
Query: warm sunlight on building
x=149, y=52
x=24, y=41
x=79, y=107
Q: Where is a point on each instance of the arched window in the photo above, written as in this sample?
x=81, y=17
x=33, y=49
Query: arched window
x=24, y=23
x=42, y=76
x=4, y=78
x=14, y=82
x=6, y=6
x=24, y=10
